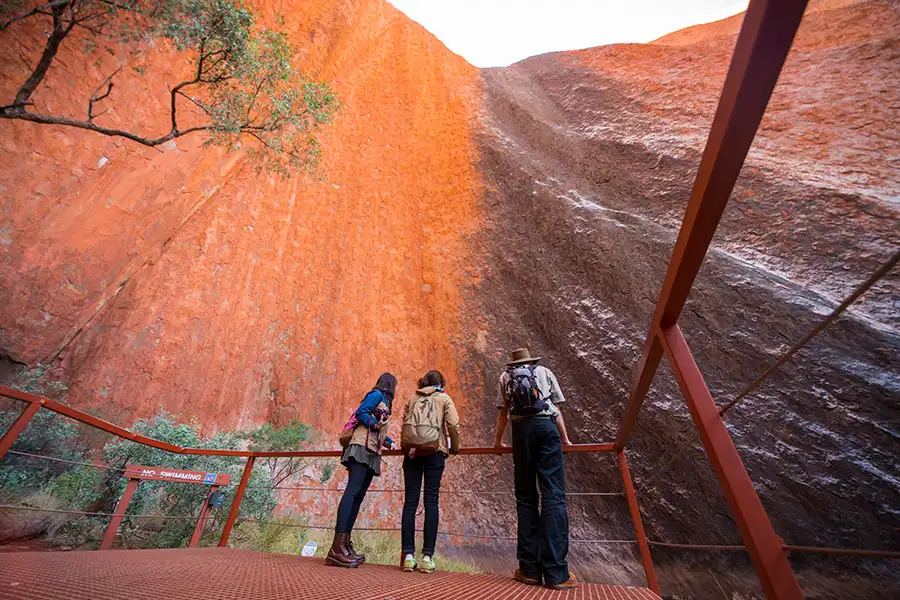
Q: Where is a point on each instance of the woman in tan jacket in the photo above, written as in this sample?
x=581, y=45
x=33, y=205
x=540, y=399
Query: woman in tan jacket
x=429, y=418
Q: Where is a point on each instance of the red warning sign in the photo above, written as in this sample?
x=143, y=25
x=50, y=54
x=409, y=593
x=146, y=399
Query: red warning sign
x=179, y=475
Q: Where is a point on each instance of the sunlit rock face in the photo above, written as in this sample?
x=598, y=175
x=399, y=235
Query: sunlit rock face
x=461, y=213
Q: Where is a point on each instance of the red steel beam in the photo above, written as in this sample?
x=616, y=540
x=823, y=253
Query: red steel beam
x=21, y=422
x=85, y=418
x=92, y=421
x=762, y=47
x=201, y=520
x=766, y=549
x=604, y=447
x=635, y=511
x=110, y=536
x=236, y=503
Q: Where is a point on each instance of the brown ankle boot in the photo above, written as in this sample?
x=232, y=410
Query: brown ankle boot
x=352, y=553
x=337, y=556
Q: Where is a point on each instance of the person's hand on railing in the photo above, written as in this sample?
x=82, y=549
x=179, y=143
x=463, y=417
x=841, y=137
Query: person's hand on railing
x=500, y=444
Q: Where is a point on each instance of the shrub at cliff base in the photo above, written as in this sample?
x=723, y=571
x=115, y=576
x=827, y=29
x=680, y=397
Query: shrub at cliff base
x=173, y=507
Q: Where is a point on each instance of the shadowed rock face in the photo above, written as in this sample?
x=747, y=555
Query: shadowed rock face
x=465, y=213
x=588, y=159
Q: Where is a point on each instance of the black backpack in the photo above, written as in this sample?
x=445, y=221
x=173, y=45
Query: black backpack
x=523, y=392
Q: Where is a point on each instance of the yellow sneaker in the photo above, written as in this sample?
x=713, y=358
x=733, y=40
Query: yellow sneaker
x=409, y=563
x=428, y=565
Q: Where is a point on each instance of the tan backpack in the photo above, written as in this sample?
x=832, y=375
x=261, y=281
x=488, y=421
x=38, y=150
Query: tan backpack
x=422, y=427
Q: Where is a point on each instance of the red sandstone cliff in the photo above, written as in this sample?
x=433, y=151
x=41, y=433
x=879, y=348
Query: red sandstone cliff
x=186, y=281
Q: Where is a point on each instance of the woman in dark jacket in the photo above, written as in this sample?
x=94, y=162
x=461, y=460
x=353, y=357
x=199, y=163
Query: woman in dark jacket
x=362, y=457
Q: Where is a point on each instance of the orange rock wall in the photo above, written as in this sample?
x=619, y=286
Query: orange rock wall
x=184, y=280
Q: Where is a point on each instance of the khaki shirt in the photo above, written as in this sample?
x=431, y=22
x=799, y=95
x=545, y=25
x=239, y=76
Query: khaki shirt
x=444, y=407
x=547, y=385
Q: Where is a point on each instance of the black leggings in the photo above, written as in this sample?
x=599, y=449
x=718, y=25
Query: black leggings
x=360, y=477
x=431, y=469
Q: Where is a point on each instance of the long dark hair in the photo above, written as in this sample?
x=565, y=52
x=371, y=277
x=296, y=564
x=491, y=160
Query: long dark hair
x=432, y=378
x=387, y=383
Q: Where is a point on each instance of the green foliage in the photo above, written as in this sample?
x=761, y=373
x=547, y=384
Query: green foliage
x=243, y=89
x=35, y=381
x=290, y=437
x=180, y=499
x=79, y=487
x=250, y=86
x=282, y=534
x=47, y=434
x=50, y=484
x=327, y=472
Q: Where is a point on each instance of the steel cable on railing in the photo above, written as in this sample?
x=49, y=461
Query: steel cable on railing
x=446, y=533
x=400, y=491
x=91, y=514
x=861, y=289
x=63, y=460
x=296, y=488
x=713, y=547
x=891, y=554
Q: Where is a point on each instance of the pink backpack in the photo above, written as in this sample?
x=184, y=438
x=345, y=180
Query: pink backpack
x=349, y=427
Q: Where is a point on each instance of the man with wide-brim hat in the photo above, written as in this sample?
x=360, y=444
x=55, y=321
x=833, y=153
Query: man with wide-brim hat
x=528, y=395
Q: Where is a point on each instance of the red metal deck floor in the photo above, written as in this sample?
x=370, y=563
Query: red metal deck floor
x=227, y=574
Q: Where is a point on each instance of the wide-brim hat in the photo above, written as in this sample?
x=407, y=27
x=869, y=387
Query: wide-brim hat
x=520, y=356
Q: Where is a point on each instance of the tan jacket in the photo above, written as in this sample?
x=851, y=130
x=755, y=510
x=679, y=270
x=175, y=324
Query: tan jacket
x=449, y=417
x=371, y=440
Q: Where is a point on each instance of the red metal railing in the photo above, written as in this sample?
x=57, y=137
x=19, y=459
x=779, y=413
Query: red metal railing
x=34, y=403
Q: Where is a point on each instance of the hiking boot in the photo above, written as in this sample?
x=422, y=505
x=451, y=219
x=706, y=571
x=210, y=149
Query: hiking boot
x=570, y=584
x=337, y=556
x=428, y=565
x=525, y=579
x=409, y=563
x=360, y=558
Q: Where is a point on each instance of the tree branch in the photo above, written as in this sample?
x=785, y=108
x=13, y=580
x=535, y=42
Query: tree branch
x=56, y=37
x=40, y=10
x=252, y=103
x=267, y=145
x=202, y=106
x=177, y=89
x=18, y=113
x=96, y=98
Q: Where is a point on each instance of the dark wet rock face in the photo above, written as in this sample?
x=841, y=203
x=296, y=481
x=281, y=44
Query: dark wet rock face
x=585, y=186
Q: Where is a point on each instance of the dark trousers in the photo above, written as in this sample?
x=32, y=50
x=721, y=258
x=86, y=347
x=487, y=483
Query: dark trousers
x=431, y=468
x=543, y=536
x=360, y=477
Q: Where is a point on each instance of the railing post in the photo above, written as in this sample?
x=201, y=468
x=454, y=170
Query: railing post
x=635, y=511
x=201, y=520
x=236, y=503
x=110, y=536
x=10, y=437
x=767, y=550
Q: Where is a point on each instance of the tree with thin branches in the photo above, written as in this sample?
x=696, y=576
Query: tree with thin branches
x=242, y=83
